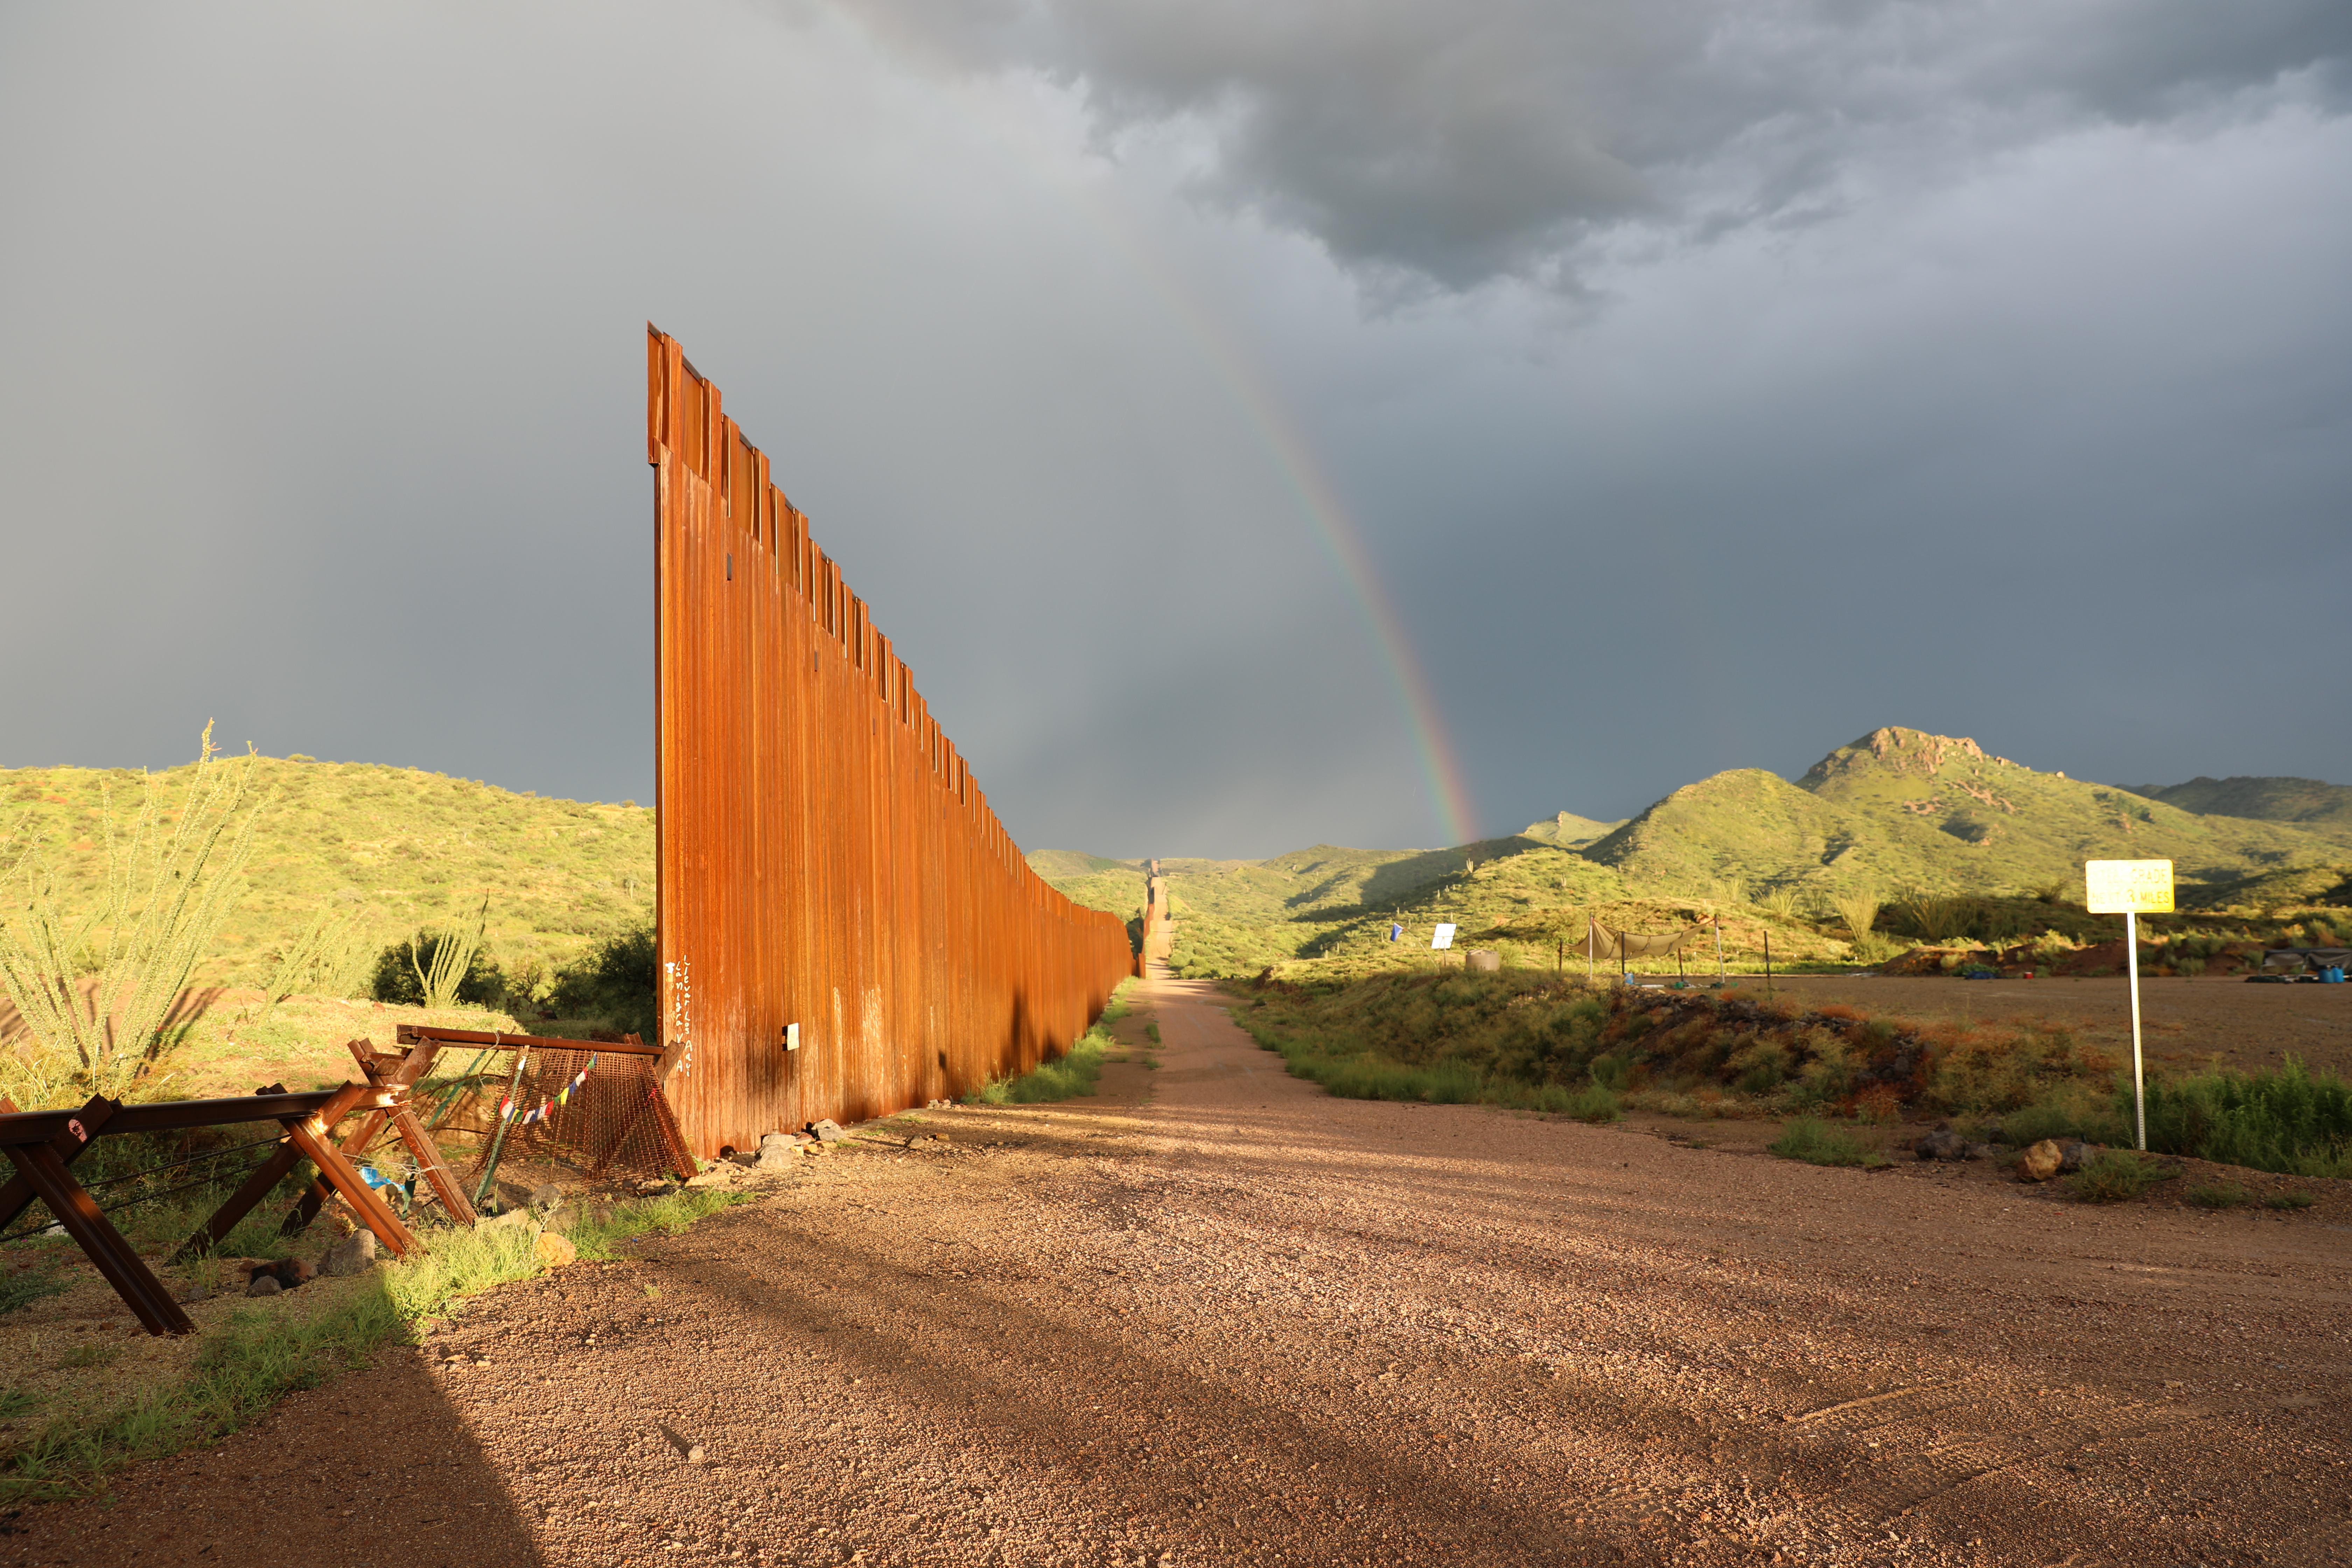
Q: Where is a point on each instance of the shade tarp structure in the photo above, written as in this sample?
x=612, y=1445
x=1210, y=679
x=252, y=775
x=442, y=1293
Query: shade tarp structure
x=1609, y=945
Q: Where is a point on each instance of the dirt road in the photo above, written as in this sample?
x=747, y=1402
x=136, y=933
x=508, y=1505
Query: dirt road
x=1243, y=1323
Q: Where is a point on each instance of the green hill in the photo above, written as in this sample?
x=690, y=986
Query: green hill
x=2309, y=803
x=406, y=846
x=1332, y=908
x=1901, y=809
x=2305, y=887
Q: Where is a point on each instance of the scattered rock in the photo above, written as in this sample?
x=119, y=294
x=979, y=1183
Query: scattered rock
x=2041, y=1161
x=828, y=1130
x=263, y=1285
x=781, y=1141
x=355, y=1254
x=1984, y=1151
x=2073, y=1155
x=546, y=1196
x=284, y=1272
x=513, y=1220
x=555, y=1249
x=1943, y=1143
x=777, y=1156
x=694, y=1455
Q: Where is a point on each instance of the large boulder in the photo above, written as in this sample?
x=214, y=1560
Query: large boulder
x=355, y=1254
x=2042, y=1161
x=1943, y=1143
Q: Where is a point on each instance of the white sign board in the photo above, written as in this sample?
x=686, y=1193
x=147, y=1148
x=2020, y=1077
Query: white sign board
x=1444, y=937
x=2128, y=887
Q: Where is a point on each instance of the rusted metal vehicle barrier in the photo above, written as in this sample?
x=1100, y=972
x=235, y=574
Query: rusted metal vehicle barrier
x=845, y=928
x=44, y=1144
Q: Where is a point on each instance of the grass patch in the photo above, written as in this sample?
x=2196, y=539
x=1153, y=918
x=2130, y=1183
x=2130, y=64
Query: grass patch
x=2294, y=1121
x=2117, y=1175
x=2219, y=1196
x=261, y=1354
x=2289, y=1200
x=1594, y=1102
x=1066, y=1077
x=23, y=1287
x=1816, y=1142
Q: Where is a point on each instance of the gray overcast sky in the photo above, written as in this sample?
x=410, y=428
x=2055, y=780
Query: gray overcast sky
x=1705, y=383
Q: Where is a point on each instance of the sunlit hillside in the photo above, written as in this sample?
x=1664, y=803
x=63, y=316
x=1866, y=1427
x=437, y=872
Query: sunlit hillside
x=404, y=847
x=1899, y=814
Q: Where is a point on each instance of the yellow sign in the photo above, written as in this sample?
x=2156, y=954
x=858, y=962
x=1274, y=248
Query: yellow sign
x=2128, y=887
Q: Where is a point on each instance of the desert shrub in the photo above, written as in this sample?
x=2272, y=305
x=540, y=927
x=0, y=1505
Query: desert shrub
x=2051, y=947
x=1816, y=1142
x=1935, y=917
x=2032, y=1123
x=613, y=981
x=2117, y=1175
x=2292, y=1121
x=2289, y=1200
x=2219, y=1196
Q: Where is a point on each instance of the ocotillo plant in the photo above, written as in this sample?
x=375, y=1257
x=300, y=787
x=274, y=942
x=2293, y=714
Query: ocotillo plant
x=453, y=960
x=331, y=957
x=169, y=883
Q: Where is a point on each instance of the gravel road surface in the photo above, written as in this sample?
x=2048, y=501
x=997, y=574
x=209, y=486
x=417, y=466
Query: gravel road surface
x=1215, y=1317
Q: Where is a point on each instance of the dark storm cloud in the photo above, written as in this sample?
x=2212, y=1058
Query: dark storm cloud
x=1475, y=137
x=1746, y=376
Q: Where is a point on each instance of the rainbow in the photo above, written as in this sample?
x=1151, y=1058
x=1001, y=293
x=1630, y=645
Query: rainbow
x=1343, y=539
x=1335, y=529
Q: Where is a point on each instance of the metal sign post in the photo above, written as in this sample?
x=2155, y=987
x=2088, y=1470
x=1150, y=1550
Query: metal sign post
x=2131, y=888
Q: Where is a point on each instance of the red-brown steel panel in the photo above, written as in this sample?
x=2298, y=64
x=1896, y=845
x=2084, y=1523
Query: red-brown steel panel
x=825, y=858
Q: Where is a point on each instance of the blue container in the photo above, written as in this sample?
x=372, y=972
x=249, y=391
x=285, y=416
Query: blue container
x=2332, y=976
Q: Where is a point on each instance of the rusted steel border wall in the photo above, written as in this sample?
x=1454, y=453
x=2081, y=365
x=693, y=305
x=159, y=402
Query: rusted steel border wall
x=826, y=859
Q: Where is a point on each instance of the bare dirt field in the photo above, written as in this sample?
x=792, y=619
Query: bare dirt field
x=1216, y=1317
x=2184, y=1024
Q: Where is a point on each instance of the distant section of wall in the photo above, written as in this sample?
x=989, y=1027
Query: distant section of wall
x=1159, y=922
x=829, y=871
